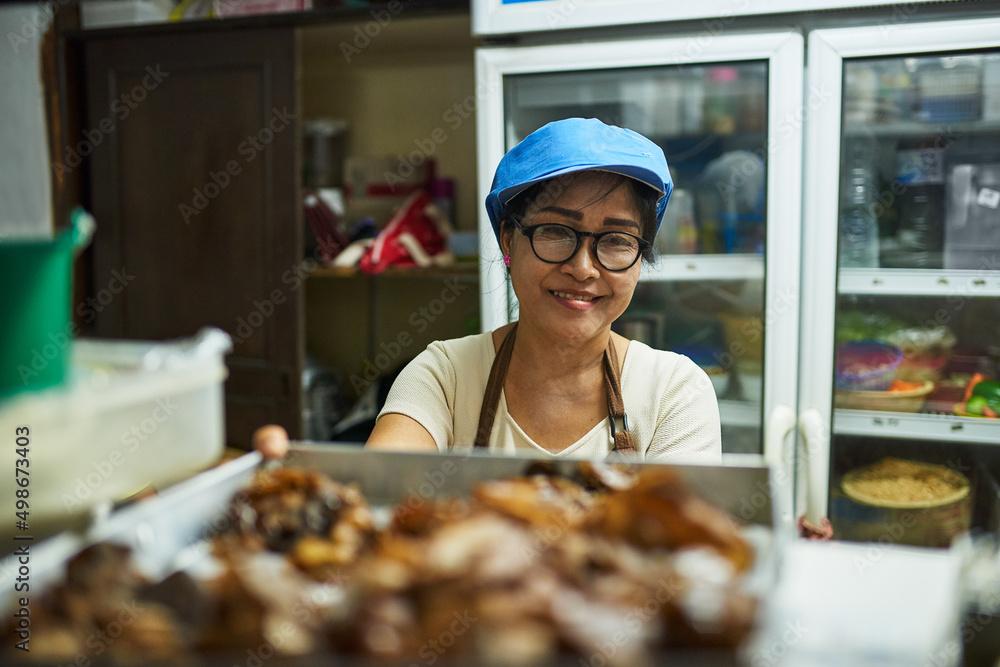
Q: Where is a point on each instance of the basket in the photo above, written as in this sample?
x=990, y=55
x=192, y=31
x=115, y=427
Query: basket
x=866, y=365
x=906, y=400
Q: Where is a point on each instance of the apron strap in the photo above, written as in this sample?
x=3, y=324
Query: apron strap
x=616, y=405
x=491, y=398
x=612, y=385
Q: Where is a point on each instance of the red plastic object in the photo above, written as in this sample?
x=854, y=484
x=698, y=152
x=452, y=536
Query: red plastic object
x=410, y=220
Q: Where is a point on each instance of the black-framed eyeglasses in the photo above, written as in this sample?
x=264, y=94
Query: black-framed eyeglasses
x=555, y=244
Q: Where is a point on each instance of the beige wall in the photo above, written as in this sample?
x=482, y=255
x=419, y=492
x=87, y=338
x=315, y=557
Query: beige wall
x=398, y=94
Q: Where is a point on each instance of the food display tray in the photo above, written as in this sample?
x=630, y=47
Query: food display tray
x=169, y=532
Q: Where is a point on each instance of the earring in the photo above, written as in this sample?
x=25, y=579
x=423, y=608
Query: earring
x=506, y=260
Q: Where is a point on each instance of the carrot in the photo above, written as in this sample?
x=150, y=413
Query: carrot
x=903, y=385
x=976, y=379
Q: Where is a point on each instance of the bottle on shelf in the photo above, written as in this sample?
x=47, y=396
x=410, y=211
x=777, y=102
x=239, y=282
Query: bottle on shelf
x=720, y=99
x=859, y=245
x=678, y=234
x=920, y=187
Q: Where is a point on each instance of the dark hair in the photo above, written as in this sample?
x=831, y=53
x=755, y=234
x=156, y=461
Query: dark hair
x=643, y=196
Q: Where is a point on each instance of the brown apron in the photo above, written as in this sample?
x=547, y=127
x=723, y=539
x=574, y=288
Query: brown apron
x=612, y=383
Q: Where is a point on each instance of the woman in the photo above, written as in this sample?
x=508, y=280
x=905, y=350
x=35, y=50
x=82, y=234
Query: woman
x=574, y=207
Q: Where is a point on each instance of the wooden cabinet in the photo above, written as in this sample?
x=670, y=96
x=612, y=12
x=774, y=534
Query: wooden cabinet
x=192, y=157
x=194, y=183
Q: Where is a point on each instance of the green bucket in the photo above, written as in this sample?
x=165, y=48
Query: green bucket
x=36, y=277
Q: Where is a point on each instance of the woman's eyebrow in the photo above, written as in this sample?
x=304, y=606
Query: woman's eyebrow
x=578, y=215
x=625, y=222
x=565, y=212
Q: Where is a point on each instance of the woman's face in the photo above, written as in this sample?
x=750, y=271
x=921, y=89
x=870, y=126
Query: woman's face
x=578, y=299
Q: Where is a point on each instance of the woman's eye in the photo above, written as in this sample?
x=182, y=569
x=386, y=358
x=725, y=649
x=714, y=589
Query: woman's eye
x=619, y=242
x=553, y=234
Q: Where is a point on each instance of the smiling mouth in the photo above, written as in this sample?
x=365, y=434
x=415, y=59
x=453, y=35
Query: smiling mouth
x=574, y=297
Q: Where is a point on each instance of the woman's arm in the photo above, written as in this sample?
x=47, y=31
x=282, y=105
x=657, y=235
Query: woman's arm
x=398, y=432
x=689, y=430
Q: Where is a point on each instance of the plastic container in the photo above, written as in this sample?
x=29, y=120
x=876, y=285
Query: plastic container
x=972, y=230
x=37, y=332
x=866, y=365
x=324, y=148
x=131, y=415
x=926, y=352
x=928, y=523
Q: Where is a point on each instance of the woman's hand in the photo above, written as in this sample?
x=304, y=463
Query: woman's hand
x=393, y=432
x=271, y=441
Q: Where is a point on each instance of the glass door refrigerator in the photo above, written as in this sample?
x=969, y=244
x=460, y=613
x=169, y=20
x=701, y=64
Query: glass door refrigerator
x=901, y=283
x=725, y=290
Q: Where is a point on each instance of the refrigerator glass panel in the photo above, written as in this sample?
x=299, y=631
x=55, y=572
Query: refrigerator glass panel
x=711, y=121
x=920, y=162
x=918, y=291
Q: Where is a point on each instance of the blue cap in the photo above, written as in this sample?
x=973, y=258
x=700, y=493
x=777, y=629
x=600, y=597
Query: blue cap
x=577, y=144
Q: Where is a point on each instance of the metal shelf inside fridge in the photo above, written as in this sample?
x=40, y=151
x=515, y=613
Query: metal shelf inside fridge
x=739, y=413
x=705, y=267
x=945, y=428
x=920, y=282
x=917, y=127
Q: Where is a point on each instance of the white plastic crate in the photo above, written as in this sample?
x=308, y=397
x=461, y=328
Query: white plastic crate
x=132, y=414
x=101, y=13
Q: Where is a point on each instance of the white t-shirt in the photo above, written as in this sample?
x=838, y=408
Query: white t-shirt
x=672, y=411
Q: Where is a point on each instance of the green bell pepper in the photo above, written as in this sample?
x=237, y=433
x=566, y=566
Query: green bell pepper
x=985, y=399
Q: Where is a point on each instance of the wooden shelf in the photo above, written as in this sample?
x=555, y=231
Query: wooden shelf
x=460, y=269
x=305, y=18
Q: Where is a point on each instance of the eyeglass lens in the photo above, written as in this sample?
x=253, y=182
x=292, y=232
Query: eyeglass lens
x=557, y=243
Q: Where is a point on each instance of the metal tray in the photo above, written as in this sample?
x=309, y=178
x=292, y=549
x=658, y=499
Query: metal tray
x=169, y=532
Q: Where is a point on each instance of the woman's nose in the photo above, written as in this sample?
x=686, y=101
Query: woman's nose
x=583, y=264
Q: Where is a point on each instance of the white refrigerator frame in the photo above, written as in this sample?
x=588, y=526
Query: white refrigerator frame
x=784, y=52
x=494, y=17
x=827, y=50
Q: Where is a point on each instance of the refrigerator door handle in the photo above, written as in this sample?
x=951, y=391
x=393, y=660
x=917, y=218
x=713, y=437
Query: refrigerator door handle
x=780, y=422
x=816, y=446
